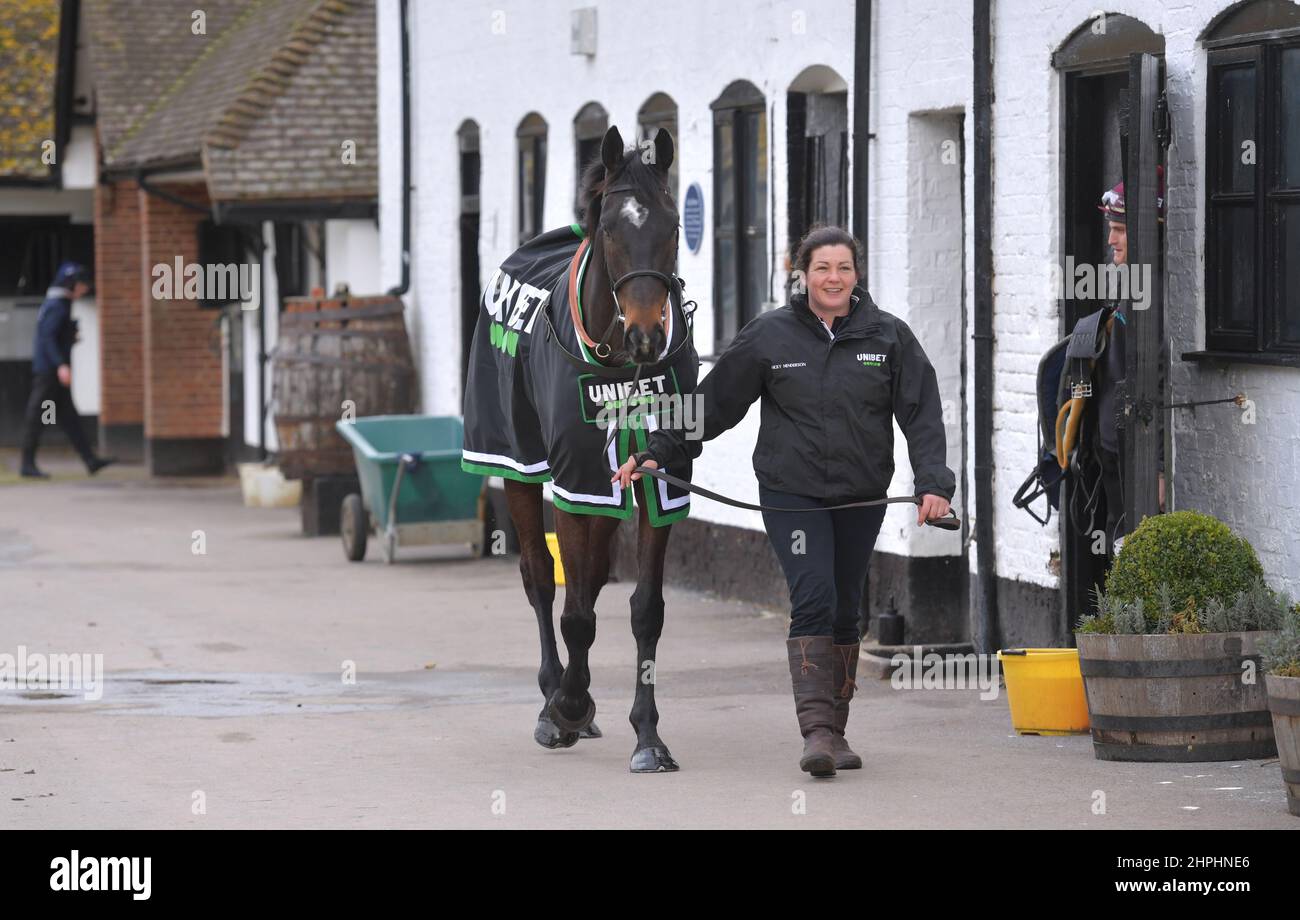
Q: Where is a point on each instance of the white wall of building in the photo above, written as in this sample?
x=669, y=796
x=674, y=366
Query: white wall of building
x=80, y=168
x=496, y=62
x=271, y=305
x=352, y=257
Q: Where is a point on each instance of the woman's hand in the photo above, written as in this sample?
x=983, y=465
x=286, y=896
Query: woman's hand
x=626, y=477
x=931, y=507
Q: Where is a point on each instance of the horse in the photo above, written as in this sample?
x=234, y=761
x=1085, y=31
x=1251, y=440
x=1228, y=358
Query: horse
x=616, y=272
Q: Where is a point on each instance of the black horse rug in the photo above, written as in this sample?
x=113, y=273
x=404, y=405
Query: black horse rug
x=532, y=412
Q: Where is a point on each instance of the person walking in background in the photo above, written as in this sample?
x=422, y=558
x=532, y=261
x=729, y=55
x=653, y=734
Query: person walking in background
x=56, y=331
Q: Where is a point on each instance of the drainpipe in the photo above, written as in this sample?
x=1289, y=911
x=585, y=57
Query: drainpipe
x=263, y=402
x=987, y=634
x=405, y=286
x=862, y=126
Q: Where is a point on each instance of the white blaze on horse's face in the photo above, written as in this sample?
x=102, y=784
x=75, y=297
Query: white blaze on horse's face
x=634, y=212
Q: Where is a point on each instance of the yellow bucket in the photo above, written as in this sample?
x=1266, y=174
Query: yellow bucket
x=553, y=544
x=1045, y=690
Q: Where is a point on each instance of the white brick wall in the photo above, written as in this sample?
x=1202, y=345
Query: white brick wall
x=922, y=65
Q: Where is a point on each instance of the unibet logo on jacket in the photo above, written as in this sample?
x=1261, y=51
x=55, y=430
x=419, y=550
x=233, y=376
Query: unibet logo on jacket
x=871, y=360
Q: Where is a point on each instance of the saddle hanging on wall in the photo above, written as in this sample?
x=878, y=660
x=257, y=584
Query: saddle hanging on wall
x=1064, y=386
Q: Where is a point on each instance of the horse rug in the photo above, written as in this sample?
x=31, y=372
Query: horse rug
x=533, y=416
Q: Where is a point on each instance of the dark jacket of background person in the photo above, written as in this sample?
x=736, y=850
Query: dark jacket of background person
x=56, y=331
x=828, y=403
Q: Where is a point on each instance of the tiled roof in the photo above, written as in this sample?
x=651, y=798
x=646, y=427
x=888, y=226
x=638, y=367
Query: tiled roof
x=29, y=63
x=266, y=99
x=141, y=51
x=306, y=126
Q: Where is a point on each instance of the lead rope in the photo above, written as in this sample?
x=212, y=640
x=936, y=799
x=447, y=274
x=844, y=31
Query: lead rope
x=613, y=430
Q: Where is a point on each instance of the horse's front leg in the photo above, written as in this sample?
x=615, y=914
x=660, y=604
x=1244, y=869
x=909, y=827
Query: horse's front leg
x=584, y=551
x=651, y=754
x=538, y=571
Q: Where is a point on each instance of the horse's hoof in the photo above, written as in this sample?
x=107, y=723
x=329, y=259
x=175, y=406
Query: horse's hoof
x=548, y=735
x=565, y=723
x=591, y=731
x=653, y=759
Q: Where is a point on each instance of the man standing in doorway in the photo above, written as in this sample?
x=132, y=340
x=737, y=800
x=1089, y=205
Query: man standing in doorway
x=1110, y=370
x=51, y=396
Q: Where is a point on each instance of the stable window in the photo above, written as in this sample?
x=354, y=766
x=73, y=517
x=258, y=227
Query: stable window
x=659, y=113
x=531, y=137
x=817, y=155
x=589, y=129
x=741, y=279
x=32, y=248
x=1252, y=153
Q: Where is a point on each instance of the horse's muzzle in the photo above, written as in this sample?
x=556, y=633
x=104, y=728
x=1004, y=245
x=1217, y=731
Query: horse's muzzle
x=643, y=347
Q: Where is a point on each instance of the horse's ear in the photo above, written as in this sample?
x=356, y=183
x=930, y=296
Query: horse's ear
x=611, y=150
x=663, y=150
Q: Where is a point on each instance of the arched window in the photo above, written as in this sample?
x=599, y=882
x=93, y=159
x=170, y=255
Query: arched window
x=659, y=111
x=1252, y=180
x=1104, y=43
x=467, y=138
x=589, y=127
x=741, y=282
x=817, y=151
x=1094, y=64
x=531, y=138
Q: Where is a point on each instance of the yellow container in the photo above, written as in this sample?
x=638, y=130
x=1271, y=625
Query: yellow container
x=553, y=544
x=1045, y=690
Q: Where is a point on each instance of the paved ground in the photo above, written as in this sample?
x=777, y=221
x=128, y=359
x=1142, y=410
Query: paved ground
x=223, y=678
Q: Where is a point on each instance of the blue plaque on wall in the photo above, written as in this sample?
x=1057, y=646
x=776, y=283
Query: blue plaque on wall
x=693, y=217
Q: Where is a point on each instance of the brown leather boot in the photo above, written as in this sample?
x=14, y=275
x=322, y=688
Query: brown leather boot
x=810, y=675
x=844, y=668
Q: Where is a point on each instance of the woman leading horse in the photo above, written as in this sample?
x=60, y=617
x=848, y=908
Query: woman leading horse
x=833, y=372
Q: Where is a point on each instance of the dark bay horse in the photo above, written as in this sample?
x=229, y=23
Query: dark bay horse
x=625, y=309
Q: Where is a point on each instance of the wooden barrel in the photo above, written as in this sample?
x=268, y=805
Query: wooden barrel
x=1284, y=704
x=337, y=356
x=1179, y=698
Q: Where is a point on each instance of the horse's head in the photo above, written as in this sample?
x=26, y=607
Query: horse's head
x=638, y=225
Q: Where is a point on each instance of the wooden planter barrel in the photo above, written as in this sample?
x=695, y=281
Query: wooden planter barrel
x=330, y=352
x=1179, y=698
x=1284, y=704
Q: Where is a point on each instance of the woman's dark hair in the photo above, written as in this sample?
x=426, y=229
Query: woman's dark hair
x=820, y=236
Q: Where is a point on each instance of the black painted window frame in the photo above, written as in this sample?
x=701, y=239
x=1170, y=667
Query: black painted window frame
x=1268, y=198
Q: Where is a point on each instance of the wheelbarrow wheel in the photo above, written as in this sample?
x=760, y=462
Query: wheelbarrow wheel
x=354, y=526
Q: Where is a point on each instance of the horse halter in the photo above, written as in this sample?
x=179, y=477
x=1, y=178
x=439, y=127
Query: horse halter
x=673, y=284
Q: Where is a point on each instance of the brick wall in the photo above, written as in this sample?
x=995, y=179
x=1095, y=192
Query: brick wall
x=117, y=287
x=183, y=391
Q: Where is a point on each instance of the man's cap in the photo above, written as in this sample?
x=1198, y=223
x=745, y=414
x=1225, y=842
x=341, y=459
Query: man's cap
x=1112, y=202
x=70, y=273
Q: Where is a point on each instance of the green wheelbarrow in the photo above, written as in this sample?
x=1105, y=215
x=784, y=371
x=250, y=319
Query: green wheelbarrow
x=413, y=491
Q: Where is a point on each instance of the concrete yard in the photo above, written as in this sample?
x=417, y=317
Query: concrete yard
x=224, y=703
